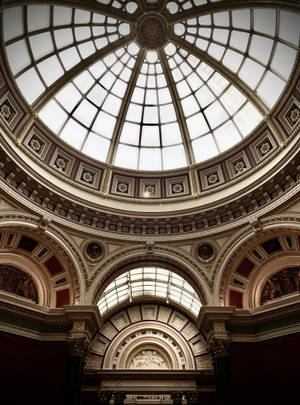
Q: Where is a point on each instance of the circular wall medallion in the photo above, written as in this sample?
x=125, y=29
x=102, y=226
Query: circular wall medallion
x=152, y=31
x=205, y=251
x=94, y=250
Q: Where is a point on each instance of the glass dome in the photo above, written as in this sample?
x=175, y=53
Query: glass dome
x=151, y=86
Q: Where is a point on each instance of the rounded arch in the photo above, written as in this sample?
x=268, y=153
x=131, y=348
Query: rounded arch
x=148, y=327
x=161, y=256
x=148, y=336
x=242, y=246
x=55, y=262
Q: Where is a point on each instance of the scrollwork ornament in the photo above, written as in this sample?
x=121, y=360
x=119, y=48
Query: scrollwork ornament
x=219, y=348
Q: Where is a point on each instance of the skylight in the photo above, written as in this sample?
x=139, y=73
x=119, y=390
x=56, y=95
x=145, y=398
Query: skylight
x=151, y=99
x=149, y=282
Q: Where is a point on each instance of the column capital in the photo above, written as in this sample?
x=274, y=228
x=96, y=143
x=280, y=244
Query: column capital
x=219, y=347
x=78, y=347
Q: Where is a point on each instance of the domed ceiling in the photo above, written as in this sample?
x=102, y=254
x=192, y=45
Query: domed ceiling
x=151, y=86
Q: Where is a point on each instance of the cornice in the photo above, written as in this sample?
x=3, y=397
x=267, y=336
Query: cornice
x=38, y=321
x=252, y=325
x=16, y=184
x=23, y=318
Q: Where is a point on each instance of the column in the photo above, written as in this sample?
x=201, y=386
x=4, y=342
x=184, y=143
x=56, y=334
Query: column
x=177, y=398
x=219, y=350
x=78, y=348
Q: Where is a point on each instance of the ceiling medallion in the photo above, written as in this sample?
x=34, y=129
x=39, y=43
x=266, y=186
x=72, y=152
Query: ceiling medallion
x=152, y=31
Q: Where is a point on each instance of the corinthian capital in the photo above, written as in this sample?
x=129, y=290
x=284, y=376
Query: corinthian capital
x=219, y=348
x=78, y=347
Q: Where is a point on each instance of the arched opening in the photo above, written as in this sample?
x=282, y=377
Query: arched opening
x=149, y=281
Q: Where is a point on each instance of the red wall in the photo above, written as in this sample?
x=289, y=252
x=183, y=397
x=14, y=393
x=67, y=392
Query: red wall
x=31, y=372
x=267, y=372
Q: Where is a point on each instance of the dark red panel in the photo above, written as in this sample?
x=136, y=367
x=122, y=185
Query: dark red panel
x=54, y=266
x=266, y=372
x=32, y=372
x=62, y=297
x=236, y=299
x=245, y=267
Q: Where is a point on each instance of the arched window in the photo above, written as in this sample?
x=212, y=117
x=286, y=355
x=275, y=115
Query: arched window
x=150, y=282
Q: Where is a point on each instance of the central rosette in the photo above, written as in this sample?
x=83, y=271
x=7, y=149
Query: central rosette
x=152, y=31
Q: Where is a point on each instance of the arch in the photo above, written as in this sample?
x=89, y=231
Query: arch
x=136, y=256
x=148, y=327
x=148, y=336
x=56, y=288
x=239, y=246
x=149, y=281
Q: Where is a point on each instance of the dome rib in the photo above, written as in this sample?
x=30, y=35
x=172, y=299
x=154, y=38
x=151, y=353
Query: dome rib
x=152, y=96
x=124, y=107
x=177, y=105
x=223, y=5
x=76, y=70
x=223, y=71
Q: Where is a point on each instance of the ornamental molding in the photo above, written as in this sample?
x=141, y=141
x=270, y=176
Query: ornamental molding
x=262, y=323
x=192, y=171
x=148, y=335
x=28, y=192
x=266, y=314
x=36, y=322
x=76, y=324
